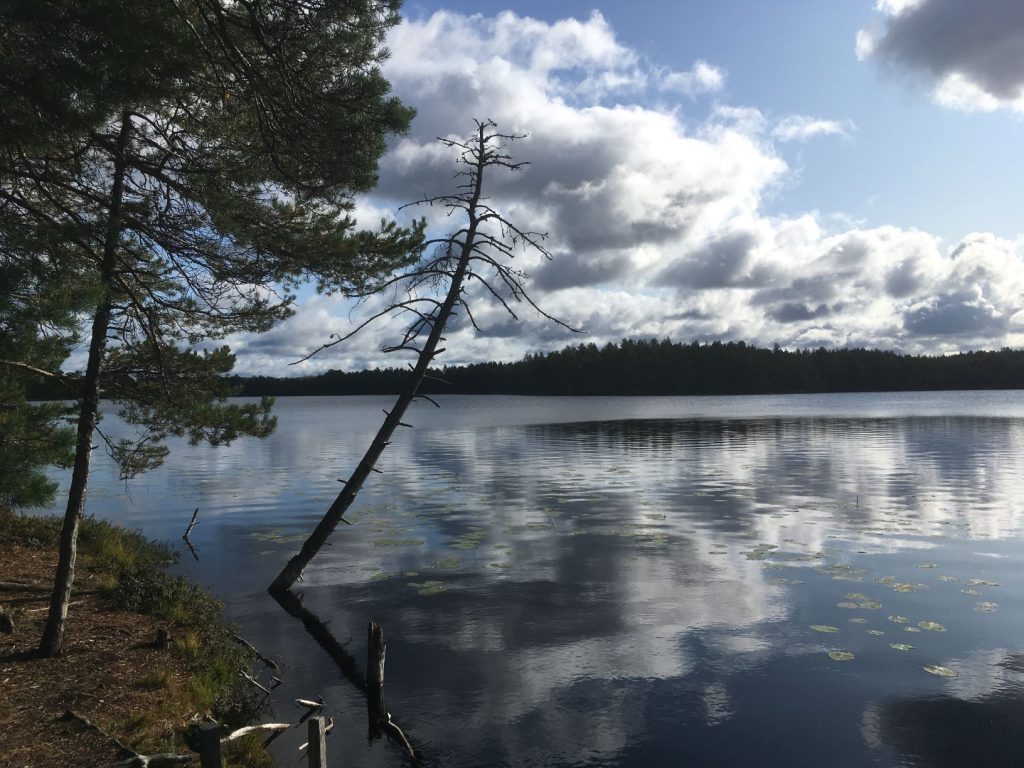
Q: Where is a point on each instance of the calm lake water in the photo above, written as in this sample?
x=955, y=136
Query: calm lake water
x=774, y=581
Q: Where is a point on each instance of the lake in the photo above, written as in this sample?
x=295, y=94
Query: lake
x=775, y=581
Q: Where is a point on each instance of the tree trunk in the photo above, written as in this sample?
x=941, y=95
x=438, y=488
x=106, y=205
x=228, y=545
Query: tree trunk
x=52, y=642
x=293, y=569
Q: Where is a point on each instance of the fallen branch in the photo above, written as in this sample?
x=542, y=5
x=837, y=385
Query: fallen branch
x=134, y=759
x=165, y=760
x=255, y=682
x=40, y=610
x=124, y=748
x=15, y=586
x=191, y=525
x=268, y=661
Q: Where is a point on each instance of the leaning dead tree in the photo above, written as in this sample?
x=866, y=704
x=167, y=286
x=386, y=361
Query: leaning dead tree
x=480, y=251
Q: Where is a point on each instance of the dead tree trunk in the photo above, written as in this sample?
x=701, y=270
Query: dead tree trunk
x=52, y=642
x=292, y=571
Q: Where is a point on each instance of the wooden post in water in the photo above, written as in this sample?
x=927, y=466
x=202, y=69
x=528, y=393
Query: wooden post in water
x=376, y=649
x=209, y=746
x=317, y=742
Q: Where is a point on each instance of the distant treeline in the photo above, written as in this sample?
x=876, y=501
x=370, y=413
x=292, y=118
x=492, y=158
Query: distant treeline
x=650, y=367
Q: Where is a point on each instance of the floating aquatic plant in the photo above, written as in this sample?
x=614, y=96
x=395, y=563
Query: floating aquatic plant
x=824, y=628
x=901, y=646
x=399, y=543
x=426, y=588
x=983, y=606
x=899, y=619
x=941, y=671
x=840, y=656
x=931, y=626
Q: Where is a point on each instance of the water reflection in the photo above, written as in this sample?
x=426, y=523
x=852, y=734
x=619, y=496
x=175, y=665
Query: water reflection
x=626, y=591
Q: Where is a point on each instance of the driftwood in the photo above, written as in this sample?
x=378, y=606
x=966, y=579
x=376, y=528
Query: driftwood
x=396, y=733
x=274, y=727
x=318, y=703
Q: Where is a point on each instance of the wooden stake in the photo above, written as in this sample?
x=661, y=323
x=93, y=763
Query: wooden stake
x=317, y=743
x=209, y=746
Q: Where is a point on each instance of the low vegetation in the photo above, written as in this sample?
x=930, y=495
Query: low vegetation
x=113, y=673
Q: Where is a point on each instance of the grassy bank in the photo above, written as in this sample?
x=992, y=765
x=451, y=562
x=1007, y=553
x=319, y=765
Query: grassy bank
x=112, y=673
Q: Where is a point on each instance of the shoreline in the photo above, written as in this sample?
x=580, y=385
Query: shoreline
x=115, y=674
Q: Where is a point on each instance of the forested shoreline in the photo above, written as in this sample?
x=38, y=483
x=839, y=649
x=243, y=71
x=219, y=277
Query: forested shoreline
x=653, y=367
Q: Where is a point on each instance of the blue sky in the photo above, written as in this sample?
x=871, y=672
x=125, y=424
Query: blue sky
x=818, y=174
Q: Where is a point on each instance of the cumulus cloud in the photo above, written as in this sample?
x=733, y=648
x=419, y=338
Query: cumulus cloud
x=973, y=51
x=655, y=213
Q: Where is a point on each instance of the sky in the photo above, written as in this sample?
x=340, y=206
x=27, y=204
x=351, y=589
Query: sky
x=797, y=173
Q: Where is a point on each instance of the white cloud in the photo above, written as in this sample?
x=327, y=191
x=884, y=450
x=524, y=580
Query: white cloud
x=803, y=127
x=656, y=216
x=701, y=78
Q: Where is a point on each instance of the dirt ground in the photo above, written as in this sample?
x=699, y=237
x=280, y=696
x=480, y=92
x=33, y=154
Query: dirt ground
x=110, y=674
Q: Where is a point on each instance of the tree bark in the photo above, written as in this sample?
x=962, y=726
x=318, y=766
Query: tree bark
x=52, y=643
x=293, y=569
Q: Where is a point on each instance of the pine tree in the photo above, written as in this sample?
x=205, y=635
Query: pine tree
x=189, y=199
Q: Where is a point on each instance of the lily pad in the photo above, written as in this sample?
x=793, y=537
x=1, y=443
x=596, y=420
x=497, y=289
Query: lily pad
x=901, y=646
x=899, y=619
x=941, y=671
x=856, y=596
x=931, y=626
x=875, y=632
x=824, y=628
x=840, y=655
x=982, y=583
x=399, y=543
x=851, y=606
x=911, y=629
x=426, y=588
x=968, y=591
x=983, y=606
x=871, y=605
